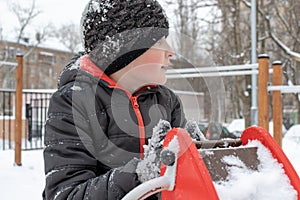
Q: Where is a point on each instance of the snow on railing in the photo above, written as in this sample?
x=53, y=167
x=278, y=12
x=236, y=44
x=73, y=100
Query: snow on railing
x=285, y=88
x=233, y=70
x=5, y=63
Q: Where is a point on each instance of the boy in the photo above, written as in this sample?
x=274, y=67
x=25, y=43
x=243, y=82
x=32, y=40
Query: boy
x=108, y=100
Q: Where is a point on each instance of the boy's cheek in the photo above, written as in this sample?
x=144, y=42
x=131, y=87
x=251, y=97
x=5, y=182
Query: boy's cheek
x=148, y=67
x=153, y=56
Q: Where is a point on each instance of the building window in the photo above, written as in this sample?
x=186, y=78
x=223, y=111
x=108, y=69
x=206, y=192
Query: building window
x=3, y=54
x=32, y=72
x=12, y=52
x=32, y=57
x=62, y=60
x=54, y=59
x=50, y=72
x=46, y=57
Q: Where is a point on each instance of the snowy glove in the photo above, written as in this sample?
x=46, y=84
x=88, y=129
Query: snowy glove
x=149, y=167
x=122, y=180
x=193, y=129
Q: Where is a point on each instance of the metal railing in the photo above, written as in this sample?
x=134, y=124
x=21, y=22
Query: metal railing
x=34, y=116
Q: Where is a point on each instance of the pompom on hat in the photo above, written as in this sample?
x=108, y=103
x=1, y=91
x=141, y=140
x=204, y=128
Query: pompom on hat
x=116, y=32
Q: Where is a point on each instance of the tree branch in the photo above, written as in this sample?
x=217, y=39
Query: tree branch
x=294, y=55
x=24, y=15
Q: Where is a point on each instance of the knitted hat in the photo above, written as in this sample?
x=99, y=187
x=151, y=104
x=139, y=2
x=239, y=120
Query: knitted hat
x=116, y=32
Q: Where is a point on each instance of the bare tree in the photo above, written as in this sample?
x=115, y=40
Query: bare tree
x=189, y=21
x=69, y=35
x=280, y=37
x=225, y=34
x=189, y=26
x=230, y=45
x=25, y=16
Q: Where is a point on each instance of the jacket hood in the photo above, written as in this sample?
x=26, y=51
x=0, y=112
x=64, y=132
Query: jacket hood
x=70, y=71
x=81, y=65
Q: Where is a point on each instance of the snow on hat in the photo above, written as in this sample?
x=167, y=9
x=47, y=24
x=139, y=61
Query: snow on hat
x=115, y=32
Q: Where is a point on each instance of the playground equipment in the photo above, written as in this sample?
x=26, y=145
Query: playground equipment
x=186, y=175
x=276, y=90
x=261, y=69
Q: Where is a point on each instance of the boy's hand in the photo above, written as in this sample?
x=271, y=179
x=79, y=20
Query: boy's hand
x=149, y=167
x=193, y=129
x=122, y=180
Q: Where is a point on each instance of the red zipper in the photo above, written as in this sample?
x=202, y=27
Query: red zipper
x=87, y=65
x=138, y=114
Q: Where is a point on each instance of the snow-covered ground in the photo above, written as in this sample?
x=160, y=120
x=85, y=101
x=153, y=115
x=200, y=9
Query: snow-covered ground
x=27, y=182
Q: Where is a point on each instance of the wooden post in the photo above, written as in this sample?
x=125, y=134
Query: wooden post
x=277, y=102
x=18, y=110
x=263, y=97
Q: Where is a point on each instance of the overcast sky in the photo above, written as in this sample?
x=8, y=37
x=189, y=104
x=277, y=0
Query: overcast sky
x=55, y=11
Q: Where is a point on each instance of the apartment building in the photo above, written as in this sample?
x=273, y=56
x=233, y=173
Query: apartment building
x=41, y=65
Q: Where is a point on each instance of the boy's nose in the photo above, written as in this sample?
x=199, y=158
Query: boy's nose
x=163, y=45
x=169, y=54
x=168, y=49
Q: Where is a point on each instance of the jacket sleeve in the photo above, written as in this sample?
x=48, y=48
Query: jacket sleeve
x=72, y=171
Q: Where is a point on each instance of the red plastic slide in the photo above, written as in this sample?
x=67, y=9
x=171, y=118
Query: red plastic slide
x=262, y=135
x=188, y=177
x=193, y=181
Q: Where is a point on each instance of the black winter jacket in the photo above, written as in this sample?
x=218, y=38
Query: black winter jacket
x=94, y=126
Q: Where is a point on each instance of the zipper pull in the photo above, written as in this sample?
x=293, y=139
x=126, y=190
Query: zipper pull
x=134, y=102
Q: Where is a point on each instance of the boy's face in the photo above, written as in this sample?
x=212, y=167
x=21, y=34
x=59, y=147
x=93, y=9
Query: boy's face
x=147, y=69
x=150, y=67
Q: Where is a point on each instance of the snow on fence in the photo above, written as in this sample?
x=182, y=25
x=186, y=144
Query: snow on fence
x=5, y=63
